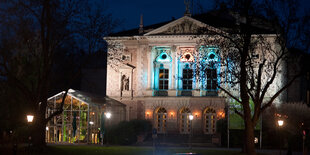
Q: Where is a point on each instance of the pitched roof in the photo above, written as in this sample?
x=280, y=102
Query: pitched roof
x=221, y=19
x=135, y=31
x=89, y=98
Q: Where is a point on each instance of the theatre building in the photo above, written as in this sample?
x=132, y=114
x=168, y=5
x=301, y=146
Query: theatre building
x=153, y=71
x=161, y=73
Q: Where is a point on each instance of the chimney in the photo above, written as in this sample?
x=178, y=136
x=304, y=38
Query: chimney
x=141, y=25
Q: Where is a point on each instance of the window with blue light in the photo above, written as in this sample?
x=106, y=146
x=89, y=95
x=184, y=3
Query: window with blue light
x=211, y=65
x=163, y=78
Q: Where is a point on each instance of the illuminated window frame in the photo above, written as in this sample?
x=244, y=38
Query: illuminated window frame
x=163, y=57
x=187, y=57
x=210, y=61
x=185, y=124
x=161, y=120
x=209, y=119
x=163, y=78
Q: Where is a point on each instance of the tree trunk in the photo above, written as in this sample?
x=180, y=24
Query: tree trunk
x=249, y=137
x=39, y=132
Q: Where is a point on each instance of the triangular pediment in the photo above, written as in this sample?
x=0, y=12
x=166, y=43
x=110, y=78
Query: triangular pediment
x=182, y=26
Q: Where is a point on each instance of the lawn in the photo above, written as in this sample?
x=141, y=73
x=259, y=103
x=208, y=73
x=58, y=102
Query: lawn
x=122, y=150
x=128, y=150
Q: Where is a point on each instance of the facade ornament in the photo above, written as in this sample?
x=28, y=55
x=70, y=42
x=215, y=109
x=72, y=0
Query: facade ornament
x=141, y=25
x=187, y=10
x=125, y=83
x=186, y=27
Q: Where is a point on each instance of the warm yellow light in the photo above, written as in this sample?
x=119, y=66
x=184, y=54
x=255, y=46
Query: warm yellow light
x=220, y=115
x=196, y=114
x=280, y=123
x=30, y=118
x=255, y=140
x=171, y=114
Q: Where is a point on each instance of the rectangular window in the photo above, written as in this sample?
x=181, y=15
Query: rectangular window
x=163, y=79
x=187, y=79
x=211, y=79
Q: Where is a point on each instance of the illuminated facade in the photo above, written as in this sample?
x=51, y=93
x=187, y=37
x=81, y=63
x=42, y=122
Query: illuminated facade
x=156, y=78
x=160, y=77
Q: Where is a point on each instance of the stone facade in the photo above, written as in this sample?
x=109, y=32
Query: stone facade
x=149, y=79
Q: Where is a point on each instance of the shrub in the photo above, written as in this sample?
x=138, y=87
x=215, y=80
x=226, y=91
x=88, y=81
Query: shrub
x=125, y=133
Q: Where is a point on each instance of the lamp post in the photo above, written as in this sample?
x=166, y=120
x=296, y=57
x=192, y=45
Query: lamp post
x=191, y=117
x=280, y=124
x=108, y=116
x=29, y=120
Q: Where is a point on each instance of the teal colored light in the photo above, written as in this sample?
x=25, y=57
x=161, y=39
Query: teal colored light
x=215, y=58
x=209, y=62
x=163, y=57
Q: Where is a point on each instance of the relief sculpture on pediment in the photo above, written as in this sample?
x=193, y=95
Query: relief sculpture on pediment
x=186, y=27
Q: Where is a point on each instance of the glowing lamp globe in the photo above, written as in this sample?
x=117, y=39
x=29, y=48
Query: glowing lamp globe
x=280, y=123
x=29, y=118
x=108, y=115
x=191, y=117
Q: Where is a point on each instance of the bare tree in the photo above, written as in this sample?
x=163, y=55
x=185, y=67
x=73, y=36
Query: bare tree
x=32, y=31
x=253, y=54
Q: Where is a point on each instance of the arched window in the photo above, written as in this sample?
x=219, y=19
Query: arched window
x=161, y=119
x=185, y=124
x=162, y=64
x=211, y=71
x=209, y=121
x=210, y=62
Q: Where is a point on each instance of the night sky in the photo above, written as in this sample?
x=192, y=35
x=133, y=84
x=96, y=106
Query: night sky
x=155, y=11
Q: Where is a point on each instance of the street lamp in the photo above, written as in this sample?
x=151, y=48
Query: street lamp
x=191, y=117
x=108, y=116
x=280, y=124
x=29, y=120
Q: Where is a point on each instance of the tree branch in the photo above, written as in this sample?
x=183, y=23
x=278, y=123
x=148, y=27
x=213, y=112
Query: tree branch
x=279, y=92
x=229, y=94
x=60, y=109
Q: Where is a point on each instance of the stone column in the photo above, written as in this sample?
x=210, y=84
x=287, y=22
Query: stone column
x=150, y=70
x=173, y=70
x=149, y=67
x=172, y=86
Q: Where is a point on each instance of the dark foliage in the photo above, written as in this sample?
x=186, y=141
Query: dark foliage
x=126, y=133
